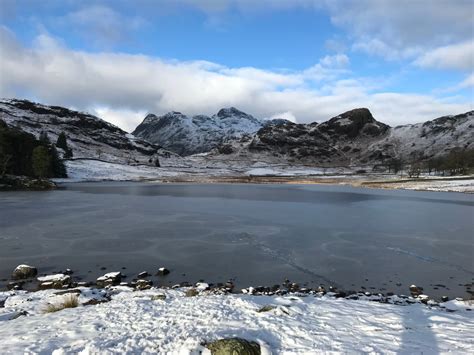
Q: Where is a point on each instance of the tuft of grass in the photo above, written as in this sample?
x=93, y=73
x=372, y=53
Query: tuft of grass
x=191, y=292
x=69, y=301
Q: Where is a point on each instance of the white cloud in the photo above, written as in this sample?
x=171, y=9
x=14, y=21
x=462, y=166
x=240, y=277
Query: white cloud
x=457, y=56
x=102, y=24
x=123, y=87
x=288, y=115
x=125, y=118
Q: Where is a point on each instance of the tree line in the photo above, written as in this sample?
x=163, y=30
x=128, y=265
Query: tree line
x=457, y=162
x=21, y=153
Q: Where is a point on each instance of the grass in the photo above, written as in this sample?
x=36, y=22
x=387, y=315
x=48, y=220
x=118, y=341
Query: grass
x=69, y=301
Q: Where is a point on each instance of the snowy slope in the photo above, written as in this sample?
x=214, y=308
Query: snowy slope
x=354, y=138
x=190, y=135
x=431, y=138
x=133, y=322
x=88, y=136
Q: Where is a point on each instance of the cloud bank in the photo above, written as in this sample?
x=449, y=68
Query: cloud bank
x=123, y=87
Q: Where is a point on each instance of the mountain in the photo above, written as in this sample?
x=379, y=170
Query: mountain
x=186, y=135
x=352, y=138
x=88, y=136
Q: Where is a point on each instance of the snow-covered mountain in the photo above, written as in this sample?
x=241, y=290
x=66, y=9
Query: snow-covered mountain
x=87, y=135
x=190, y=135
x=352, y=138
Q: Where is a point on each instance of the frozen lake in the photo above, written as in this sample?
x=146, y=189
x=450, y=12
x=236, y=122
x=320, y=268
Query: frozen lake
x=255, y=234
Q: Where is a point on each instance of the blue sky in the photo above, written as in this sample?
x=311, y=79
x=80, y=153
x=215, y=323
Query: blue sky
x=305, y=60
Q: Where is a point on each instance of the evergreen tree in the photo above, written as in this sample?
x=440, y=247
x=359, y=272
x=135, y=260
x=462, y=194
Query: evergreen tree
x=57, y=166
x=41, y=160
x=62, y=143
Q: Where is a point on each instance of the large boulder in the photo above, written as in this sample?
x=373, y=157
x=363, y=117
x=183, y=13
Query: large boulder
x=234, y=346
x=24, y=272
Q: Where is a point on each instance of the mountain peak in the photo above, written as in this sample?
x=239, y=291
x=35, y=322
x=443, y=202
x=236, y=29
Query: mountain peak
x=231, y=111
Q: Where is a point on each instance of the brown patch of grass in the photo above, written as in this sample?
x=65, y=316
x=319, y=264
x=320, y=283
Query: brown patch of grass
x=69, y=301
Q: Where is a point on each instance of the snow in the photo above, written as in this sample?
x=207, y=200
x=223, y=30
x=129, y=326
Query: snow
x=22, y=266
x=95, y=170
x=446, y=185
x=55, y=277
x=134, y=323
x=110, y=275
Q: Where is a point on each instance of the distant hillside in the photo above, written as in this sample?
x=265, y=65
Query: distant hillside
x=88, y=136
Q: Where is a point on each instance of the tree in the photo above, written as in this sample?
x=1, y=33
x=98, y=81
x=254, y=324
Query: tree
x=41, y=161
x=415, y=170
x=44, y=139
x=57, y=165
x=395, y=165
x=5, y=159
x=62, y=143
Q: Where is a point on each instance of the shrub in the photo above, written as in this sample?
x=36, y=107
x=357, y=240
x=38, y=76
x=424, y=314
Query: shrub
x=69, y=301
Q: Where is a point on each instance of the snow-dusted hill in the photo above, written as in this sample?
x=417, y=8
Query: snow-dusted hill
x=190, y=135
x=353, y=138
x=87, y=135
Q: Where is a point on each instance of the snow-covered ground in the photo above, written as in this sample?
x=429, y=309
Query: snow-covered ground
x=440, y=184
x=95, y=170
x=143, y=322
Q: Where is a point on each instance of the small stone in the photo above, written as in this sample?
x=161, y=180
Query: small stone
x=445, y=298
x=266, y=308
x=415, y=290
x=143, y=284
x=143, y=274
x=24, y=271
x=162, y=271
x=159, y=297
x=109, y=279
x=68, y=272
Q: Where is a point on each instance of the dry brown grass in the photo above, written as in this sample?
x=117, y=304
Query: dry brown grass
x=69, y=301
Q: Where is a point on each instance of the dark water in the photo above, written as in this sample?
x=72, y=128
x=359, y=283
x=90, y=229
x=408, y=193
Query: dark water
x=256, y=234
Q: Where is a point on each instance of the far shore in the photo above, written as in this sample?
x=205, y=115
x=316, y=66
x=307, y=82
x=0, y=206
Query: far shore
x=439, y=184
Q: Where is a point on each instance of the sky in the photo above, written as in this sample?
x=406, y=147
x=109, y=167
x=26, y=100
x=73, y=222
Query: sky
x=407, y=61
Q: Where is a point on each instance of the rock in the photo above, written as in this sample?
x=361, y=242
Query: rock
x=162, y=271
x=84, y=284
x=24, y=272
x=423, y=298
x=445, y=298
x=266, y=308
x=159, y=297
x=109, y=279
x=65, y=292
x=234, y=346
x=202, y=286
x=68, y=272
x=321, y=289
x=15, y=285
x=143, y=274
x=415, y=290
x=95, y=301
x=54, y=281
x=143, y=284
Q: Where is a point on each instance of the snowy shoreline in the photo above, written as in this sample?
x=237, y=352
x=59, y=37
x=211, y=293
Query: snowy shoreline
x=96, y=171
x=168, y=321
